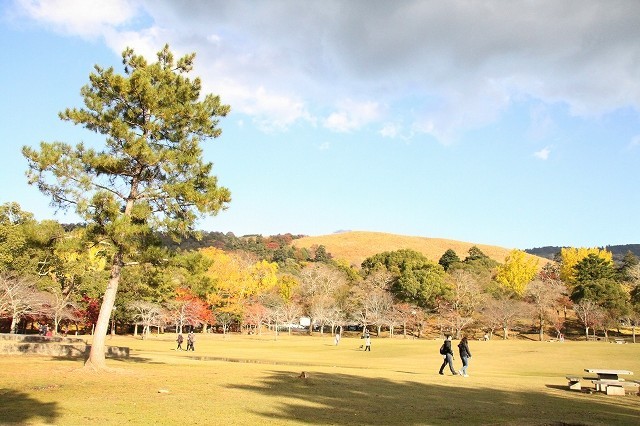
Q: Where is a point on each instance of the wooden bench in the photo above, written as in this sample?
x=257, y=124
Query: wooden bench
x=619, y=341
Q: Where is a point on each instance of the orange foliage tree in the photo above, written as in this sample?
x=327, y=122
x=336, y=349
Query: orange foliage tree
x=189, y=309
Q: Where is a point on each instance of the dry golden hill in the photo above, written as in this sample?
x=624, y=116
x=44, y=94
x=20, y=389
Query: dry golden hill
x=356, y=246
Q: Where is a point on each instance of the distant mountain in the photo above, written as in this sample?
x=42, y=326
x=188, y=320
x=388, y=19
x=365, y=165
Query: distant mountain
x=618, y=251
x=356, y=246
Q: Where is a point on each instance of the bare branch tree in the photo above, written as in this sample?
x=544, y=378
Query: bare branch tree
x=589, y=314
x=367, y=303
x=501, y=313
x=60, y=307
x=319, y=285
x=380, y=307
x=292, y=312
x=19, y=297
x=148, y=314
x=544, y=296
x=459, y=310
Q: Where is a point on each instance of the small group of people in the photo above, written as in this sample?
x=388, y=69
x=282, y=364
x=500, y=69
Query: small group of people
x=447, y=353
x=45, y=330
x=191, y=338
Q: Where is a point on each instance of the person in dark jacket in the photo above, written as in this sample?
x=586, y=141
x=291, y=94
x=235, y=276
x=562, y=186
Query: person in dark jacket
x=179, y=339
x=447, y=354
x=191, y=339
x=465, y=354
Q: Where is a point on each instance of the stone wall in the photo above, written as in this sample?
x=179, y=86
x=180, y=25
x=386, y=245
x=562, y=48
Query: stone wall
x=67, y=347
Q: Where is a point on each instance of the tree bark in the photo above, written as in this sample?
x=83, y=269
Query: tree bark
x=541, y=328
x=14, y=323
x=97, y=354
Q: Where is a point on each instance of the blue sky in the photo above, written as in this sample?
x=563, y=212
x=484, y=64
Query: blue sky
x=506, y=123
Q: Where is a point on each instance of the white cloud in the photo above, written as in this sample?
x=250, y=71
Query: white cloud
x=543, y=154
x=270, y=111
x=352, y=115
x=441, y=67
x=391, y=130
x=80, y=17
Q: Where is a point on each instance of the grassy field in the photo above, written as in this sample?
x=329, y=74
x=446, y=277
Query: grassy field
x=250, y=380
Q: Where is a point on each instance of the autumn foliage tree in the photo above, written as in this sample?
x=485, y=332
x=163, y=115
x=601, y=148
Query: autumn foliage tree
x=187, y=309
x=235, y=281
x=516, y=272
x=149, y=176
x=571, y=256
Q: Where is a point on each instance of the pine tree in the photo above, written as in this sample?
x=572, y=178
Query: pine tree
x=150, y=175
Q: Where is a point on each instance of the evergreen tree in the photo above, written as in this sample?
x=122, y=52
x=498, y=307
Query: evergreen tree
x=149, y=177
x=416, y=279
x=593, y=267
x=448, y=258
x=595, y=280
x=629, y=261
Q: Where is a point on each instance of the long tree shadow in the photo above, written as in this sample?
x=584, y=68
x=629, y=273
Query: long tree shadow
x=342, y=399
x=19, y=408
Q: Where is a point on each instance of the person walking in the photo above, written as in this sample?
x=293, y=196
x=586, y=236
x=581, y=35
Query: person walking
x=447, y=354
x=465, y=355
x=367, y=342
x=191, y=338
x=179, y=339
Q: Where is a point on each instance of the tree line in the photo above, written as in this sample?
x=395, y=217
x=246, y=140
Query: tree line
x=56, y=274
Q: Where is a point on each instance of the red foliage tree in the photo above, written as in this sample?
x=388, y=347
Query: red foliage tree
x=90, y=311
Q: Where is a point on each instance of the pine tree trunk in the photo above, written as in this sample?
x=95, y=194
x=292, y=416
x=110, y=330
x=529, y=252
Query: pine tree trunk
x=97, y=355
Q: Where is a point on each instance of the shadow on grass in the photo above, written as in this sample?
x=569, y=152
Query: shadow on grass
x=137, y=360
x=129, y=360
x=19, y=408
x=342, y=399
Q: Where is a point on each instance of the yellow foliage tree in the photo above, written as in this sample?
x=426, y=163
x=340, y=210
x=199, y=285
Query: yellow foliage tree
x=517, y=271
x=570, y=257
x=234, y=282
x=287, y=285
x=264, y=276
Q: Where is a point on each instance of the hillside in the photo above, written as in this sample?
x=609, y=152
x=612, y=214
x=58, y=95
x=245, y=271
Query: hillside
x=356, y=246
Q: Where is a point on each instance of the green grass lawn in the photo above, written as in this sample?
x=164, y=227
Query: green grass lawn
x=250, y=380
